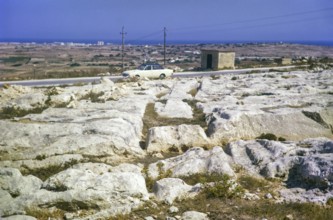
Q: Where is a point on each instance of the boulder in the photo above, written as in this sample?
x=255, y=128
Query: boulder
x=194, y=215
x=108, y=193
x=28, y=101
x=180, y=138
x=19, y=217
x=12, y=181
x=182, y=89
x=101, y=129
x=174, y=109
x=62, y=99
x=294, y=108
x=289, y=125
x=194, y=161
x=268, y=158
x=169, y=189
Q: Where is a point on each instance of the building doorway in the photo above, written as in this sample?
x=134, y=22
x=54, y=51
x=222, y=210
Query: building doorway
x=209, y=61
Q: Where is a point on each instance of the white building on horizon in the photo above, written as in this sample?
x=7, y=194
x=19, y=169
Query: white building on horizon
x=100, y=43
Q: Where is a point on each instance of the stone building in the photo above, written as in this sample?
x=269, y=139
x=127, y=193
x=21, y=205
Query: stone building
x=216, y=59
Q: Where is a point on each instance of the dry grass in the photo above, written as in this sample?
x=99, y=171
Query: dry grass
x=45, y=172
x=45, y=214
x=152, y=119
x=12, y=112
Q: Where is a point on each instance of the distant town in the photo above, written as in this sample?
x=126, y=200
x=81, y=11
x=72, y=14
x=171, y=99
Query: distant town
x=20, y=61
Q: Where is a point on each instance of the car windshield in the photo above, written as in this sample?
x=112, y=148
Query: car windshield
x=142, y=67
x=154, y=66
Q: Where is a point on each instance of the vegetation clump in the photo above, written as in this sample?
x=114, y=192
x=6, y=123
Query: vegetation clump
x=162, y=173
x=10, y=112
x=271, y=137
x=226, y=188
x=45, y=172
x=93, y=96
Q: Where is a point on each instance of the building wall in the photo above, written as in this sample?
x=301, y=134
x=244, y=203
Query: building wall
x=220, y=60
x=226, y=60
x=286, y=61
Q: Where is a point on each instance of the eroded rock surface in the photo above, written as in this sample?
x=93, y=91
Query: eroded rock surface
x=176, y=138
x=85, y=186
x=194, y=161
x=88, y=139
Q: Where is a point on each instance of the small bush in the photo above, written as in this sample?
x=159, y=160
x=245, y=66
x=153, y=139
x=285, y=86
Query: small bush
x=45, y=172
x=224, y=189
x=252, y=183
x=267, y=136
x=203, y=178
x=93, y=97
x=281, y=139
x=150, y=182
x=74, y=64
x=12, y=112
x=45, y=214
x=271, y=137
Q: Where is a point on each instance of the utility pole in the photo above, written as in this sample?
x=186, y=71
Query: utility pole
x=122, y=46
x=164, y=43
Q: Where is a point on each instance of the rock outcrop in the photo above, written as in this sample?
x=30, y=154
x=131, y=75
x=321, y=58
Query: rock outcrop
x=169, y=189
x=176, y=138
x=81, y=149
x=76, y=188
x=194, y=161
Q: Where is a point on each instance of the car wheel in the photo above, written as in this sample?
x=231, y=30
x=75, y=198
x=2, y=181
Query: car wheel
x=162, y=76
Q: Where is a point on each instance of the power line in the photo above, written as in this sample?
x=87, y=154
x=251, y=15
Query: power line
x=122, y=47
x=155, y=33
x=164, y=45
x=254, y=26
x=253, y=20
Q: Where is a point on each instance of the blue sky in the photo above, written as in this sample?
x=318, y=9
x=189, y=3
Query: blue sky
x=187, y=20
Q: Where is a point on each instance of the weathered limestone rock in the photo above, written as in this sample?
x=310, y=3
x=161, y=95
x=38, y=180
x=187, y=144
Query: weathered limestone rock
x=161, y=139
x=292, y=126
x=194, y=161
x=182, y=89
x=110, y=192
x=62, y=99
x=306, y=166
x=28, y=101
x=14, y=183
x=19, y=217
x=302, y=195
x=169, y=189
x=194, y=215
x=269, y=158
x=14, y=92
x=101, y=129
x=174, y=109
x=255, y=104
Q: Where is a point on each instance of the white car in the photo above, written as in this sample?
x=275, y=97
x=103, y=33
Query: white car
x=150, y=70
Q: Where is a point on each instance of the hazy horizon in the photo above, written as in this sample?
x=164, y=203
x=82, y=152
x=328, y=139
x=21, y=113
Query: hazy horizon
x=191, y=20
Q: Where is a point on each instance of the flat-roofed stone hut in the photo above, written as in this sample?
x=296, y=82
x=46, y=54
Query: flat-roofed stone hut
x=217, y=59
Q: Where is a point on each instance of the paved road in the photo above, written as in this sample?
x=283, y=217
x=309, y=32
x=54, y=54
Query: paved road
x=68, y=81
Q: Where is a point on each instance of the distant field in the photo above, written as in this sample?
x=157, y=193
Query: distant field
x=28, y=61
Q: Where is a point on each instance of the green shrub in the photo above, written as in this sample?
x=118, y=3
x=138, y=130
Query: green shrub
x=45, y=214
x=223, y=189
x=161, y=175
x=45, y=172
x=93, y=97
x=252, y=183
x=74, y=64
x=12, y=112
x=267, y=136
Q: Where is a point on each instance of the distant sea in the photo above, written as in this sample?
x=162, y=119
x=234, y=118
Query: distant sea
x=154, y=42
